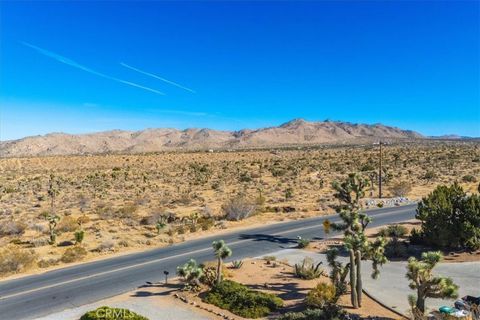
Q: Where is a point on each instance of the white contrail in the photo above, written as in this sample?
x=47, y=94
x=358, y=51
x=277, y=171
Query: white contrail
x=74, y=64
x=156, y=77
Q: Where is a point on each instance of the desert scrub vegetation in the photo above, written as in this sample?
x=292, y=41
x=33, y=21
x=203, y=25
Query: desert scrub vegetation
x=108, y=313
x=200, y=192
x=14, y=260
x=242, y=301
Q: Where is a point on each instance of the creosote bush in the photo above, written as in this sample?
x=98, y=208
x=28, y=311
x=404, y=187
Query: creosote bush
x=239, y=208
x=73, y=254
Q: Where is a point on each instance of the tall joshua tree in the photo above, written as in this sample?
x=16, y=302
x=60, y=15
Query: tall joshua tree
x=427, y=285
x=349, y=193
x=222, y=251
x=53, y=190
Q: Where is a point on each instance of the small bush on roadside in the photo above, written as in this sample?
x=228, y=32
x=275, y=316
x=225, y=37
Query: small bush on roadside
x=238, y=208
x=270, y=259
x=321, y=295
x=107, y=313
x=401, y=188
x=303, y=243
x=107, y=245
x=73, y=254
x=13, y=259
x=393, y=231
x=307, y=269
x=242, y=301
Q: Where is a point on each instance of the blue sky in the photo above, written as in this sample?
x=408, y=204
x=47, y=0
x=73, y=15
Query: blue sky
x=91, y=66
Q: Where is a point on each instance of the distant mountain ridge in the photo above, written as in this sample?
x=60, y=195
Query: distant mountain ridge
x=294, y=132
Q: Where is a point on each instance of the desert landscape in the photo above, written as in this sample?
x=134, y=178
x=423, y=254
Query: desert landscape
x=114, y=203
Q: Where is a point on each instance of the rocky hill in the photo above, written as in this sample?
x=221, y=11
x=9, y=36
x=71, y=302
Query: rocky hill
x=295, y=132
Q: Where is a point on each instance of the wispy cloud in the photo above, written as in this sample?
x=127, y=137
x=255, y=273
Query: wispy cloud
x=74, y=64
x=156, y=77
x=181, y=112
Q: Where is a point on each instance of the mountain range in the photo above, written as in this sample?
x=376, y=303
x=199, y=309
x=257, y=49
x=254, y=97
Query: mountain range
x=293, y=133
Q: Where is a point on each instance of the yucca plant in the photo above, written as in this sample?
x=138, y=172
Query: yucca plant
x=237, y=264
x=308, y=269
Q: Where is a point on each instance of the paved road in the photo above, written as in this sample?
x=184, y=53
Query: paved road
x=38, y=295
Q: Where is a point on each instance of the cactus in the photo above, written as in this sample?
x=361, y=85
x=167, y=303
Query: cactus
x=353, y=280
x=79, y=235
x=359, y=278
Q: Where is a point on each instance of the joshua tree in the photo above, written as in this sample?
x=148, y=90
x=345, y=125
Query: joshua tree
x=191, y=272
x=53, y=190
x=52, y=225
x=427, y=285
x=354, y=224
x=221, y=252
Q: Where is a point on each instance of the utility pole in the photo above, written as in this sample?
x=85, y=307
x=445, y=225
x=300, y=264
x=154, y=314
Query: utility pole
x=380, y=174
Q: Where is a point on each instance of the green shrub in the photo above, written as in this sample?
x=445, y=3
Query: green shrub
x=107, y=313
x=321, y=295
x=393, y=231
x=450, y=218
x=330, y=312
x=308, y=269
x=303, y=243
x=242, y=301
x=469, y=178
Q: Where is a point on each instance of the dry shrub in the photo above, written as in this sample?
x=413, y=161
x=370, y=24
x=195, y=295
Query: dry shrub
x=67, y=224
x=13, y=259
x=39, y=242
x=12, y=228
x=73, y=254
x=401, y=189
x=107, y=245
x=239, y=208
x=45, y=263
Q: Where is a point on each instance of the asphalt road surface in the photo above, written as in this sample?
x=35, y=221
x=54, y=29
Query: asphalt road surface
x=39, y=295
